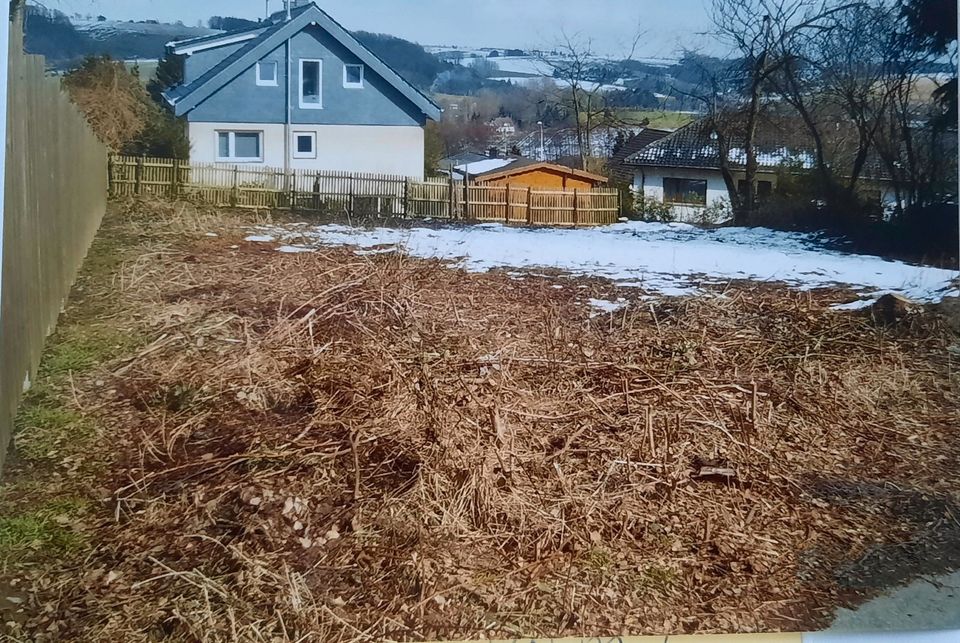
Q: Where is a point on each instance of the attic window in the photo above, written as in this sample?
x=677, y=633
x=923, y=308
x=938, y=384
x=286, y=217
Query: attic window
x=311, y=89
x=267, y=74
x=353, y=76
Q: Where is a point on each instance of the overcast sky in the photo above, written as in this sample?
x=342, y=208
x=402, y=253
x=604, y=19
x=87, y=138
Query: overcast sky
x=667, y=24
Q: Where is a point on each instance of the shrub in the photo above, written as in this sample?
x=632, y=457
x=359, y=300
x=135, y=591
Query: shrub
x=717, y=212
x=653, y=210
x=121, y=112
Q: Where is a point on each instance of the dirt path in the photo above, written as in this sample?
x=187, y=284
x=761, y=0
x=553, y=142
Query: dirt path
x=928, y=603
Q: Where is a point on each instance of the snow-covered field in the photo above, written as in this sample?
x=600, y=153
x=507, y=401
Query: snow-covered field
x=668, y=259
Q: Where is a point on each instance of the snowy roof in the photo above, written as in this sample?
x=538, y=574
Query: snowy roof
x=634, y=143
x=486, y=165
x=777, y=143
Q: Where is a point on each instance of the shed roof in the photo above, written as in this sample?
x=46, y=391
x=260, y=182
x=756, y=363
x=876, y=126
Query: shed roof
x=522, y=166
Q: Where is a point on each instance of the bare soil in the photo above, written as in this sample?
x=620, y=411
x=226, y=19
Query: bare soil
x=332, y=447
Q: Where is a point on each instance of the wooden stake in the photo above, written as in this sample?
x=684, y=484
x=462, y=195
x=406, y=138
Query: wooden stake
x=356, y=466
x=653, y=444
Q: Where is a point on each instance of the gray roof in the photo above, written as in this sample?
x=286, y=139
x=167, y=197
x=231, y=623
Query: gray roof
x=186, y=97
x=779, y=142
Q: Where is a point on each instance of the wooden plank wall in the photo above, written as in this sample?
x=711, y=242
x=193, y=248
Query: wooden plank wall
x=362, y=194
x=56, y=196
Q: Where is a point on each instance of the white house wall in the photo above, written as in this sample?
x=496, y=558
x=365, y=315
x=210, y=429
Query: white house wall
x=649, y=182
x=397, y=150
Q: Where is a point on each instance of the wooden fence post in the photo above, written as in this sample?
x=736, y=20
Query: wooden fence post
x=292, y=190
x=530, y=206
x=351, y=203
x=576, y=208
x=175, y=184
x=235, y=194
x=406, y=197
x=451, y=197
x=508, y=203
x=111, y=179
x=466, y=195
x=138, y=179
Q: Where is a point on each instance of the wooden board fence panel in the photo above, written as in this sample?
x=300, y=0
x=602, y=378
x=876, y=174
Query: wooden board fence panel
x=378, y=195
x=56, y=189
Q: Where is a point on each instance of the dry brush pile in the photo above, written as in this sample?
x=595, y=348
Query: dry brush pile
x=335, y=447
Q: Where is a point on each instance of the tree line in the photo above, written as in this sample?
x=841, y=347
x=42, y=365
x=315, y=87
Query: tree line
x=855, y=78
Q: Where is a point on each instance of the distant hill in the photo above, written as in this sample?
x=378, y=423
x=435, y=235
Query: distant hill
x=65, y=43
x=407, y=58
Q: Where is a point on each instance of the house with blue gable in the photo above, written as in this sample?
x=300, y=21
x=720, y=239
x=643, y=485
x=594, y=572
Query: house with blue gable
x=299, y=92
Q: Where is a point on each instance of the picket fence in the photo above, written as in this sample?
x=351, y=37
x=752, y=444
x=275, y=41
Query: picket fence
x=379, y=195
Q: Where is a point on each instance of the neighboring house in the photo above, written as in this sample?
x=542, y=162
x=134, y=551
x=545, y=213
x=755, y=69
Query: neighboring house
x=299, y=93
x=530, y=173
x=682, y=169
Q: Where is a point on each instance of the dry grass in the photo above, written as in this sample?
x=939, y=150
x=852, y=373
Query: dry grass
x=328, y=447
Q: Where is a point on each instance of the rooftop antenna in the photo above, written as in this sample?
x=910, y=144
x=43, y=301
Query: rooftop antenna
x=288, y=3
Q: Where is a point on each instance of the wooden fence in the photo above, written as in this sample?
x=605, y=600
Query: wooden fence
x=361, y=194
x=56, y=187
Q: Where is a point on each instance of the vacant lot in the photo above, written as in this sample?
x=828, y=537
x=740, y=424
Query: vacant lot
x=231, y=443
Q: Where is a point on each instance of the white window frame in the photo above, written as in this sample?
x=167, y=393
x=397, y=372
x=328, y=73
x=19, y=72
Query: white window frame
x=319, y=84
x=232, y=146
x=349, y=85
x=261, y=82
x=304, y=155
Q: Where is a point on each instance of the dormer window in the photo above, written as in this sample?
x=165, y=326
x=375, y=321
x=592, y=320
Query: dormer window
x=266, y=74
x=353, y=76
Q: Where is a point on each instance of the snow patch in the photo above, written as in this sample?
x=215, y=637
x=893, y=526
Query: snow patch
x=671, y=259
x=260, y=238
x=859, y=304
x=601, y=306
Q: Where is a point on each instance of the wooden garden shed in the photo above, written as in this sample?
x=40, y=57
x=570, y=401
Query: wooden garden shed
x=539, y=174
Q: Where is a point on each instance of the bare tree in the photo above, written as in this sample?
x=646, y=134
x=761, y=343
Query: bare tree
x=716, y=88
x=854, y=86
x=763, y=35
x=586, y=79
